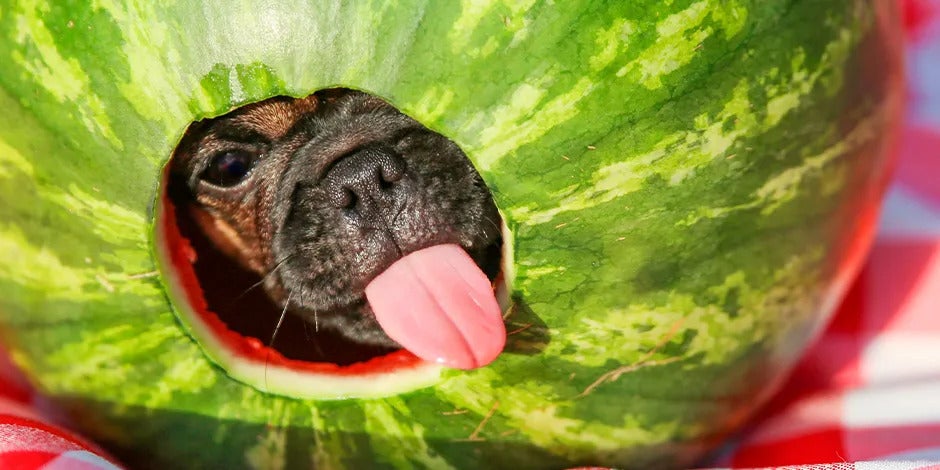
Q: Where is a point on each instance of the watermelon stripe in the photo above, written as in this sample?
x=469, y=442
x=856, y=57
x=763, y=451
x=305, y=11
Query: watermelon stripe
x=677, y=155
x=397, y=438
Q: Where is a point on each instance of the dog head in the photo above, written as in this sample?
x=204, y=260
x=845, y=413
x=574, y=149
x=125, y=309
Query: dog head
x=319, y=195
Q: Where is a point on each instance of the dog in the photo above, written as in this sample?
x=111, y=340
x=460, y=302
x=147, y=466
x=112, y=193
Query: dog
x=319, y=195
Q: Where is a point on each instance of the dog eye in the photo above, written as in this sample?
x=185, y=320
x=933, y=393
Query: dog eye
x=228, y=168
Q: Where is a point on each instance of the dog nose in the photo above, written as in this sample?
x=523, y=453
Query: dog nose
x=367, y=174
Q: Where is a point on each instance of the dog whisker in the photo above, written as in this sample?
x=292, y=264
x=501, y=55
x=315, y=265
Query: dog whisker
x=277, y=328
x=263, y=278
x=316, y=318
x=493, y=223
x=316, y=345
x=316, y=329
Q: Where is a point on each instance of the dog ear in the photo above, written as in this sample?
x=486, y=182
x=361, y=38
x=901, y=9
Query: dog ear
x=191, y=138
x=182, y=164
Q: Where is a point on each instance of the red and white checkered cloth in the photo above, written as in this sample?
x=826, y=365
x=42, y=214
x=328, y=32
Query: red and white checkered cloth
x=866, y=396
x=28, y=441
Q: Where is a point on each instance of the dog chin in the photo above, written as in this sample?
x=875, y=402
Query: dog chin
x=356, y=323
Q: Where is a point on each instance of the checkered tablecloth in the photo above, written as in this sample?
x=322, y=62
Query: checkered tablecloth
x=866, y=396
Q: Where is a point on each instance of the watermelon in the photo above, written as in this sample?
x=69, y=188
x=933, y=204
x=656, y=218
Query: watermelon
x=687, y=188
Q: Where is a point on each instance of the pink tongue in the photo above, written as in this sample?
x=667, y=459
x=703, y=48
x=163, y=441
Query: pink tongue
x=439, y=305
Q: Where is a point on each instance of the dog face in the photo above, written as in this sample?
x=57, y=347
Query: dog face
x=319, y=195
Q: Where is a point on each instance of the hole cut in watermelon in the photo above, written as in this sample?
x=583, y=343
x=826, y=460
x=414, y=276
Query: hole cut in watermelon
x=197, y=286
x=224, y=306
x=234, y=296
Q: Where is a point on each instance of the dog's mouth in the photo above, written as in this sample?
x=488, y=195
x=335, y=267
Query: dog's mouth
x=240, y=328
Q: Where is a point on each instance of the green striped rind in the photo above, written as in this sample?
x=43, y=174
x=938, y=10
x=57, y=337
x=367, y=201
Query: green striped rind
x=679, y=179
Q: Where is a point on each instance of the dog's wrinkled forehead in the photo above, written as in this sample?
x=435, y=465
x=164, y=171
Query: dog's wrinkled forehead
x=270, y=120
x=273, y=118
x=278, y=118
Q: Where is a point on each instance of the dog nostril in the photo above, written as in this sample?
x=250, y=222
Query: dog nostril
x=367, y=174
x=342, y=198
x=392, y=170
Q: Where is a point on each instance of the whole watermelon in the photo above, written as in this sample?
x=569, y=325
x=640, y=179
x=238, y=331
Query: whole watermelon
x=688, y=186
